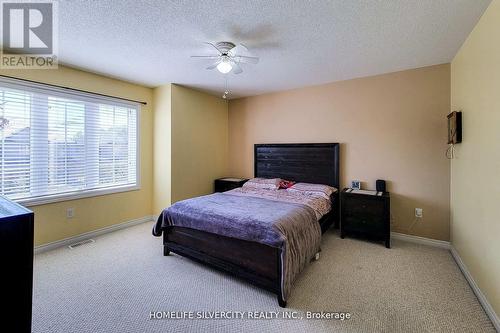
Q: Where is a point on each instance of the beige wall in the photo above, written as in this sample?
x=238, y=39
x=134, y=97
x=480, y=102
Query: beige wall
x=199, y=142
x=475, y=182
x=96, y=212
x=391, y=127
x=162, y=167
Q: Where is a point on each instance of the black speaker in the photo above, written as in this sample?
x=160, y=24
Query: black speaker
x=380, y=184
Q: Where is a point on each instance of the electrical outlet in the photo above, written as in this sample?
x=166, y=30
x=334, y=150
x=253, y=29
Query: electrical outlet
x=70, y=213
x=419, y=212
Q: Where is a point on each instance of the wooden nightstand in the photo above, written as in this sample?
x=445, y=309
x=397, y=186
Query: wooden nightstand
x=226, y=184
x=365, y=215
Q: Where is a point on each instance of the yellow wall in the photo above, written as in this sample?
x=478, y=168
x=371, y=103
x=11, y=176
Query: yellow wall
x=391, y=127
x=199, y=142
x=199, y=154
x=96, y=212
x=162, y=148
x=475, y=182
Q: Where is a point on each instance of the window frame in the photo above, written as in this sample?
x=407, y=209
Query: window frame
x=40, y=88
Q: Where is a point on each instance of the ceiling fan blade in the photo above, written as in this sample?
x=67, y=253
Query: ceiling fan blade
x=239, y=49
x=206, y=56
x=237, y=68
x=212, y=66
x=247, y=59
x=215, y=47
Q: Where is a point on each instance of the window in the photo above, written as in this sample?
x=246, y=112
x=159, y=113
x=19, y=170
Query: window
x=56, y=145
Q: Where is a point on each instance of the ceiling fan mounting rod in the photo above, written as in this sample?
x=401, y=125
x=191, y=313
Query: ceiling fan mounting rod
x=224, y=47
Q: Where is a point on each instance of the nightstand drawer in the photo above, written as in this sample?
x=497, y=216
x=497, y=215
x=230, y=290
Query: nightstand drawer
x=364, y=208
x=357, y=223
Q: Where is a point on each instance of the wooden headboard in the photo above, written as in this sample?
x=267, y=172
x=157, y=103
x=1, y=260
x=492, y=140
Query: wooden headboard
x=300, y=162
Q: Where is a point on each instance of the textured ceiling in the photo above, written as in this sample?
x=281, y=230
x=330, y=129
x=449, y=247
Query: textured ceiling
x=300, y=43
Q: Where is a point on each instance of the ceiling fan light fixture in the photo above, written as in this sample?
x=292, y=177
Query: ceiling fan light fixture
x=224, y=66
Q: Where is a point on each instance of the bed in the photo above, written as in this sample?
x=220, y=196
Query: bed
x=250, y=251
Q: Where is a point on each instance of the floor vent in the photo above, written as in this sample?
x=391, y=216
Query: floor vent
x=87, y=241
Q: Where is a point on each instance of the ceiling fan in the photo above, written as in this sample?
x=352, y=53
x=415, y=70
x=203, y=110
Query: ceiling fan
x=229, y=57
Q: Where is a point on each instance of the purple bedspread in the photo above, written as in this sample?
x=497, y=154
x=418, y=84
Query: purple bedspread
x=289, y=226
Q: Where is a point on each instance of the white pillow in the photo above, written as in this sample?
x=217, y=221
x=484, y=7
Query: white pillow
x=263, y=183
x=321, y=190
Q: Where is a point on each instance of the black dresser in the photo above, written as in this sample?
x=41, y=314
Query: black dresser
x=365, y=215
x=16, y=253
x=226, y=184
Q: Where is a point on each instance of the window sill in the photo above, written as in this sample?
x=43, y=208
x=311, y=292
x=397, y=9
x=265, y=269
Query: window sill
x=75, y=195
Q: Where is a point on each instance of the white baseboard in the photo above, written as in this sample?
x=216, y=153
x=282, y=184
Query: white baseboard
x=479, y=294
x=91, y=234
x=475, y=288
x=421, y=240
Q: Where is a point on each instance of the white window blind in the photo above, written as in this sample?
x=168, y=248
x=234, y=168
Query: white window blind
x=56, y=145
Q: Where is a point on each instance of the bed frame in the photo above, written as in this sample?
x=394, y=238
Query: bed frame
x=257, y=263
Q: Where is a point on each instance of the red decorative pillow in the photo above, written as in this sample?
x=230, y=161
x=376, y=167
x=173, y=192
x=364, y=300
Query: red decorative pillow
x=284, y=184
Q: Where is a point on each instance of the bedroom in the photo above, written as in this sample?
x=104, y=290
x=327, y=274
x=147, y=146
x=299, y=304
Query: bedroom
x=99, y=142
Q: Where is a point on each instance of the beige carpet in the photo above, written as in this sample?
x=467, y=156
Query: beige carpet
x=114, y=283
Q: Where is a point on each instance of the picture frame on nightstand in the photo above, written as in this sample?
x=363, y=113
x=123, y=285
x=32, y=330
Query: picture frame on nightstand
x=356, y=185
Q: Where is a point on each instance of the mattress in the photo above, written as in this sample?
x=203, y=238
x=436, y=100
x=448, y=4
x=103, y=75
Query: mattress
x=319, y=204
